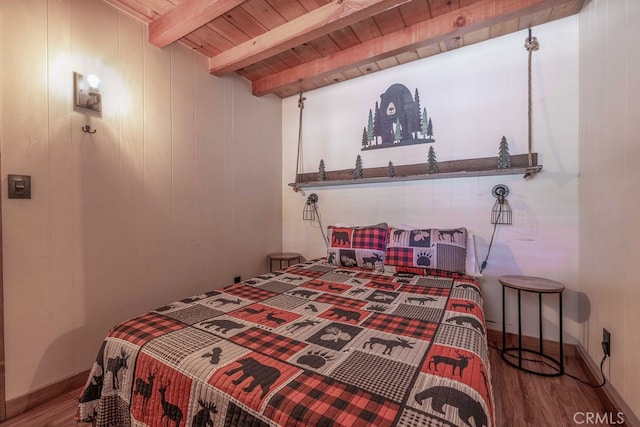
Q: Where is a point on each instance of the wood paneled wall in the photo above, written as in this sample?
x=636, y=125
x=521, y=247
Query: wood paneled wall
x=609, y=177
x=177, y=192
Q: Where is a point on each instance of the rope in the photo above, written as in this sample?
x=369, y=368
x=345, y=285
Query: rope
x=531, y=44
x=301, y=100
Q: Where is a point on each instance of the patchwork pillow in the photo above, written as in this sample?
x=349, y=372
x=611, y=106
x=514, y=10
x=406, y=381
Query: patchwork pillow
x=427, y=248
x=363, y=247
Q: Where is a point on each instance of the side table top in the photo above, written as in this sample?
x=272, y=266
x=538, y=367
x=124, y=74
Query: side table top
x=531, y=284
x=284, y=256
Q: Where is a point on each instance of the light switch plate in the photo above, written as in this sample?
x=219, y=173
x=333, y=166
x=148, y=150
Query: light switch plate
x=19, y=186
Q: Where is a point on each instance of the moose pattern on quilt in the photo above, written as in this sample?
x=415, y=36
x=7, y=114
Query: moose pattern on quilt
x=315, y=344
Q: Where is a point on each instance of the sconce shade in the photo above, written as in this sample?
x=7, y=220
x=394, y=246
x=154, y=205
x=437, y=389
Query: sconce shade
x=87, y=91
x=501, y=212
x=309, y=211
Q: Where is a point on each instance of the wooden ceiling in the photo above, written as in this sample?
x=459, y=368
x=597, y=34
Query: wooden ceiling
x=288, y=46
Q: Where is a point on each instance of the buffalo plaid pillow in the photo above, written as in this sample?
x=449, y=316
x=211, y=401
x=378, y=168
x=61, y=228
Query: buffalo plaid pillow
x=363, y=247
x=428, y=249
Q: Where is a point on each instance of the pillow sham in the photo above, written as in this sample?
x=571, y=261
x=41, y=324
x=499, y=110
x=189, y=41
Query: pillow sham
x=363, y=247
x=427, y=248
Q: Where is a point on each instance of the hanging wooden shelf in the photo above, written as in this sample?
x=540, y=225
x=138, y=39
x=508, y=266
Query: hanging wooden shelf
x=450, y=169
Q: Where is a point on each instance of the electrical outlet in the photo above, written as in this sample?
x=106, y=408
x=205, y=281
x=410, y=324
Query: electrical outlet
x=606, y=342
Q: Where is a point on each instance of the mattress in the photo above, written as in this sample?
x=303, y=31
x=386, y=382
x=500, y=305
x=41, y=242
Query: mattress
x=313, y=345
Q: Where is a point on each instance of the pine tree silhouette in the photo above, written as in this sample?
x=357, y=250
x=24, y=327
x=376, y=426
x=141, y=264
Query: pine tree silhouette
x=390, y=171
x=357, y=172
x=322, y=174
x=432, y=164
x=504, y=161
x=398, y=133
x=416, y=114
x=430, y=129
x=370, y=128
x=424, y=123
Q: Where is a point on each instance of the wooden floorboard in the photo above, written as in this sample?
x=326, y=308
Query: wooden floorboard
x=521, y=399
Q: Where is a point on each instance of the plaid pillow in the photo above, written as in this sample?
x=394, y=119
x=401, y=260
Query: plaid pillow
x=363, y=247
x=429, y=248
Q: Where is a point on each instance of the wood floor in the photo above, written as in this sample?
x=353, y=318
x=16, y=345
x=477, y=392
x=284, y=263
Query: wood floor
x=521, y=399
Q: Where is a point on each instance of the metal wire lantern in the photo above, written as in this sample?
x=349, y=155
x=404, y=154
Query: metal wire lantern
x=309, y=213
x=501, y=212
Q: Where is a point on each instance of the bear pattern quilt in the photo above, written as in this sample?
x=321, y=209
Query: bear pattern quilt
x=313, y=345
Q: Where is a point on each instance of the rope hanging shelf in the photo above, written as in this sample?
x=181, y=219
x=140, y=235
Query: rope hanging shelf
x=466, y=168
x=520, y=164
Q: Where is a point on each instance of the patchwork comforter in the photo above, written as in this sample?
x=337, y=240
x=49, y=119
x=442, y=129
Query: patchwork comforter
x=313, y=345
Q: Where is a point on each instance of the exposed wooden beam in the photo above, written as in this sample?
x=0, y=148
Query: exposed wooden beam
x=452, y=24
x=317, y=23
x=186, y=17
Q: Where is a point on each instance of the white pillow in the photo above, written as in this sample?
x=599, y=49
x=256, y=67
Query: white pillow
x=471, y=261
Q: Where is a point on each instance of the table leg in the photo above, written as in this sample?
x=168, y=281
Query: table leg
x=504, y=324
x=561, y=345
x=540, y=319
x=519, y=333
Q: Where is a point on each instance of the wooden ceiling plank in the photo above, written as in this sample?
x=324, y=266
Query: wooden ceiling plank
x=366, y=30
x=141, y=13
x=408, y=56
x=387, y=62
x=440, y=7
x=414, y=12
x=534, y=18
x=503, y=28
x=311, y=26
x=325, y=45
x=262, y=12
x=212, y=38
x=428, y=50
x=246, y=23
x=448, y=25
x=288, y=9
x=345, y=38
x=476, y=36
x=186, y=17
x=389, y=21
x=565, y=10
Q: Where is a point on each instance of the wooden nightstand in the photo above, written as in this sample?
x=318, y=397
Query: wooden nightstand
x=282, y=257
x=539, y=286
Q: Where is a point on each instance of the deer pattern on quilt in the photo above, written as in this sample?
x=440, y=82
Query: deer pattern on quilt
x=298, y=347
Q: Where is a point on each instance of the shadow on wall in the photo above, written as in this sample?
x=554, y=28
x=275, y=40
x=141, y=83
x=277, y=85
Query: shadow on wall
x=49, y=368
x=502, y=261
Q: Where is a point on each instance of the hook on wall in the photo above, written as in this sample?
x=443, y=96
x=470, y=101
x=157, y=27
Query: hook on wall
x=87, y=129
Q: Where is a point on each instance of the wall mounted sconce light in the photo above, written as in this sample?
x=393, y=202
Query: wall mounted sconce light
x=310, y=211
x=501, y=212
x=87, y=91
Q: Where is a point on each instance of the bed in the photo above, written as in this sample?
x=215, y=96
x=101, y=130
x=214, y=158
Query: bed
x=386, y=330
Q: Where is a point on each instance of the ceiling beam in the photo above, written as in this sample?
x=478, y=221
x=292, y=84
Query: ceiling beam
x=317, y=23
x=186, y=17
x=452, y=24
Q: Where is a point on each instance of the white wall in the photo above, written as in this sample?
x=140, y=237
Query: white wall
x=175, y=193
x=475, y=95
x=609, y=177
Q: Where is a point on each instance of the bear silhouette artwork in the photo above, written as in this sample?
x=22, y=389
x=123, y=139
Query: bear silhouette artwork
x=467, y=407
x=396, y=106
x=262, y=375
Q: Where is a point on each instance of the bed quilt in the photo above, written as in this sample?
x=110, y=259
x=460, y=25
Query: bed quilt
x=313, y=345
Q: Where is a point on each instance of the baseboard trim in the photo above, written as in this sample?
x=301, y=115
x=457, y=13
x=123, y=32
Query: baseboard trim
x=611, y=400
x=30, y=400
